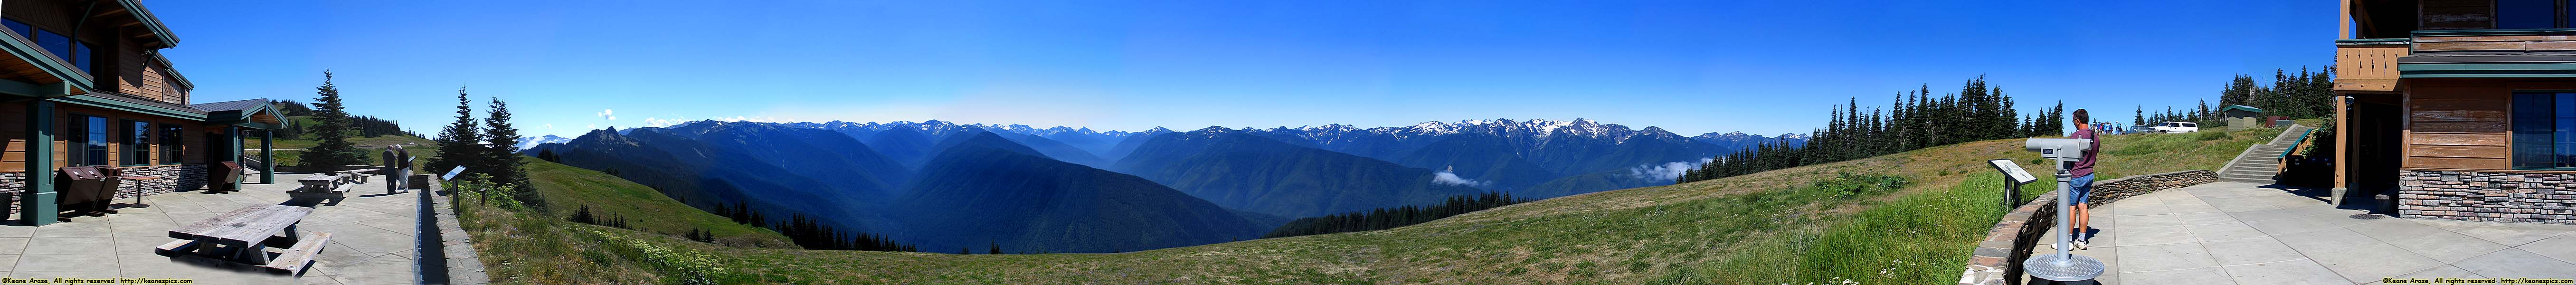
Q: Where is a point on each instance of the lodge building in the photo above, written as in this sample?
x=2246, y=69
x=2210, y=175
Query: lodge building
x=2458, y=109
x=85, y=82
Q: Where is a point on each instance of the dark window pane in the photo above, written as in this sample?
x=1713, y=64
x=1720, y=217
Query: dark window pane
x=80, y=56
x=54, y=43
x=16, y=27
x=138, y=143
x=2534, y=130
x=88, y=141
x=2526, y=14
x=170, y=144
x=2565, y=122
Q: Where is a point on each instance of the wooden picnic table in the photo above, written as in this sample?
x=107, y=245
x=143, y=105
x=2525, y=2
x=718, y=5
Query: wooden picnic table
x=245, y=230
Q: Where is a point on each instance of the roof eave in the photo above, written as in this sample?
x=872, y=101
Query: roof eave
x=168, y=40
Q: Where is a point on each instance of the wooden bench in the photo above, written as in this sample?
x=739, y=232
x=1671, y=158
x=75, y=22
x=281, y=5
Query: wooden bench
x=294, y=260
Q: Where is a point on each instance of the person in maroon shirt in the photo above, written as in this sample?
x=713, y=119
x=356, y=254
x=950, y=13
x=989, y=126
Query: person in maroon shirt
x=2083, y=183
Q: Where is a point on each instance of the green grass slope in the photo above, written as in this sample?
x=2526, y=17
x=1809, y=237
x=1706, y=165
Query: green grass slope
x=1907, y=218
x=521, y=246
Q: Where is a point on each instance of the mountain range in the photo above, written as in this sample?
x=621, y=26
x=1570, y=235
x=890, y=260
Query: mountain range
x=941, y=184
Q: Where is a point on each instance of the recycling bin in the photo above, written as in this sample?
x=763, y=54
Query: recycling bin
x=222, y=178
x=81, y=187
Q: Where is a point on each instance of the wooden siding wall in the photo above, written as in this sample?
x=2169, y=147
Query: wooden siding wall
x=2534, y=43
x=129, y=71
x=143, y=77
x=192, y=139
x=2458, y=124
x=2456, y=14
x=2367, y=68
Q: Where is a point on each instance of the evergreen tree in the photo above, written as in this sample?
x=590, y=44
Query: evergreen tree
x=458, y=143
x=2141, y=116
x=332, y=128
x=500, y=156
x=997, y=248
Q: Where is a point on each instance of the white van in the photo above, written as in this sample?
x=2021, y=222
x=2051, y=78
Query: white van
x=2175, y=127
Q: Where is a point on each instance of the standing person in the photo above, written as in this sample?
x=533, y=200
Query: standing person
x=2083, y=183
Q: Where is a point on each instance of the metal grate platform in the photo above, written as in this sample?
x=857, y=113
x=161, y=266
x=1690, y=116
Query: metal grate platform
x=2078, y=269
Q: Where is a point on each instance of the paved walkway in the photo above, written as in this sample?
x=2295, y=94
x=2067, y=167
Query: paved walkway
x=372, y=242
x=2243, y=233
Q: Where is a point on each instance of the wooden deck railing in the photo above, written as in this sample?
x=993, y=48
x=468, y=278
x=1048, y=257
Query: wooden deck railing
x=2368, y=65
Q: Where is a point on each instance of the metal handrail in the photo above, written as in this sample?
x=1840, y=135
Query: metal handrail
x=254, y=161
x=2294, y=145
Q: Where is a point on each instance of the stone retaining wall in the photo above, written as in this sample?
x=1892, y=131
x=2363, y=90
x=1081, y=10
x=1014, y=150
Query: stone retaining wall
x=2487, y=196
x=2107, y=191
x=2013, y=239
x=173, y=179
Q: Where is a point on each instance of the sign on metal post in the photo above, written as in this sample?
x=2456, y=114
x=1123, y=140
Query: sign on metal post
x=2013, y=171
x=451, y=174
x=2014, y=177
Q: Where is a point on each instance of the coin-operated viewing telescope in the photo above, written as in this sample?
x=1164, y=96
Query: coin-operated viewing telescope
x=2063, y=266
x=2062, y=150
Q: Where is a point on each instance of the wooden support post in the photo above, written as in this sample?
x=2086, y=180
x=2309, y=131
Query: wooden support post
x=267, y=158
x=2344, y=160
x=233, y=136
x=38, y=202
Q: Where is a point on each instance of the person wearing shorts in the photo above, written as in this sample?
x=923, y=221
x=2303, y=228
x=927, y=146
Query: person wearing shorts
x=2082, y=185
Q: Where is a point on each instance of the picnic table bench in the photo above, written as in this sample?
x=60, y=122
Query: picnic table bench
x=320, y=186
x=359, y=175
x=243, y=236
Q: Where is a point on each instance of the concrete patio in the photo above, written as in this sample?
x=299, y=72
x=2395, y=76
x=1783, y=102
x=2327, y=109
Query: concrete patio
x=372, y=243
x=2243, y=233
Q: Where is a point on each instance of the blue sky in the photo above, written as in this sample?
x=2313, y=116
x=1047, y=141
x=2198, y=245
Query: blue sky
x=1764, y=67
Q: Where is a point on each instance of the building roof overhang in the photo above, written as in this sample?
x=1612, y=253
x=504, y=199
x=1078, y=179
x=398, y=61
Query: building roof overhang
x=2240, y=107
x=2488, y=70
x=252, y=113
x=151, y=24
x=73, y=78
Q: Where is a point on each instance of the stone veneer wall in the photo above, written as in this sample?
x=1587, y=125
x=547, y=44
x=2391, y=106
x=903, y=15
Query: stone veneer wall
x=2023, y=229
x=11, y=184
x=2487, y=196
x=173, y=179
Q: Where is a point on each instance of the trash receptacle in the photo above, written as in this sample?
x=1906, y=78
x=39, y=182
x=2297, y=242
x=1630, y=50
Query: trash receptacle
x=222, y=177
x=80, y=187
x=112, y=181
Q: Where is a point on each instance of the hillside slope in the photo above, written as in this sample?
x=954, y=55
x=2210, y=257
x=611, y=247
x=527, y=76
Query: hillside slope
x=977, y=195
x=1727, y=231
x=1257, y=174
x=1906, y=218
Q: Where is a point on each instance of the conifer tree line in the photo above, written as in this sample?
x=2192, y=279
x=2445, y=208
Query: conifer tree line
x=2299, y=96
x=701, y=235
x=367, y=126
x=1388, y=218
x=810, y=233
x=1915, y=120
x=584, y=215
x=488, y=148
